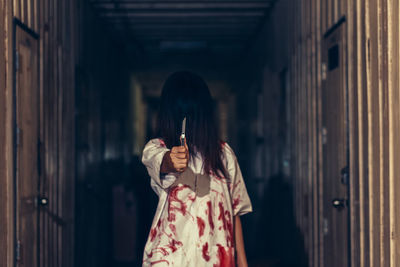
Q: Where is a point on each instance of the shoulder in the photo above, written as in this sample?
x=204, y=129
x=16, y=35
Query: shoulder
x=155, y=142
x=153, y=147
x=227, y=152
x=153, y=151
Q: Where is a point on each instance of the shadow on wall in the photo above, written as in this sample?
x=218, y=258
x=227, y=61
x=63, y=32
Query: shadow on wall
x=280, y=242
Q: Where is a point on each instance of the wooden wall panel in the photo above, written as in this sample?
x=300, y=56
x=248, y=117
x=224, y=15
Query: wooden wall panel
x=53, y=22
x=373, y=81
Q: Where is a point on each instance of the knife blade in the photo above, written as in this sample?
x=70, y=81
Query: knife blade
x=183, y=132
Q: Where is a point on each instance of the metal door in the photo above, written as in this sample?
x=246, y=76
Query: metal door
x=26, y=96
x=335, y=148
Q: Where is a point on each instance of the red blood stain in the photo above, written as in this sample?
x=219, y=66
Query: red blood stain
x=162, y=143
x=192, y=198
x=229, y=237
x=160, y=261
x=173, y=228
x=173, y=198
x=201, y=225
x=153, y=233
x=226, y=223
x=149, y=255
x=235, y=185
x=222, y=143
x=236, y=202
x=225, y=258
x=222, y=215
x=172, y=245
x=218, y=175
x=205, y=252
x=210, y=215
x=163, y=251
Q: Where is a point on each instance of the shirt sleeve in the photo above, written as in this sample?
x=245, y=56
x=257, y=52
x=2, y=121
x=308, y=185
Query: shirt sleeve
x=153, y=154
x=241, y=203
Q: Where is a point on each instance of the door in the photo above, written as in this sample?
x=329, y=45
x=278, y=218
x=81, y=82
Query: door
x=26, y=148
x=335, y=149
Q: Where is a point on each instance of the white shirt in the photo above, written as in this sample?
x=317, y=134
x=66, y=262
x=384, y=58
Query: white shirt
x=188, y=229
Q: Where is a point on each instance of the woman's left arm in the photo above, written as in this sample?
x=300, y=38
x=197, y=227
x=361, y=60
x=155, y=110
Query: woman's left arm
x=239, y=244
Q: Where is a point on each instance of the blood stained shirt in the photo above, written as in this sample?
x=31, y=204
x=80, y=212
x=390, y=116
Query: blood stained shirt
x=193, y=224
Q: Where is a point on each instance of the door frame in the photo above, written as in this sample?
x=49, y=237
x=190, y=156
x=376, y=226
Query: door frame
x=18, y=24
x=341, y=23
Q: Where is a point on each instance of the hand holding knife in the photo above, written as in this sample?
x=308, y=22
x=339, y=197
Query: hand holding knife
x=177, y=159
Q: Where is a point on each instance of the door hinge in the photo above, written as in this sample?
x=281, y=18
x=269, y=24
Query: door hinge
x=16, y=61
x=18, y=251
x=325, y=226
x=344, y=174
x=323, y=71
x=39, y=160
x=17, y=137
x=324, y=135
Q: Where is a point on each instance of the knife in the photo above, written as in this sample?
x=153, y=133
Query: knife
x=183, y=132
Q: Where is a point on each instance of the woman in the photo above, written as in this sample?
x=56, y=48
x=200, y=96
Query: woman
x=199, y=183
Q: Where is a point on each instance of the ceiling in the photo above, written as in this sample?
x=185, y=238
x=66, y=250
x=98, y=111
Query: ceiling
x=181, y=31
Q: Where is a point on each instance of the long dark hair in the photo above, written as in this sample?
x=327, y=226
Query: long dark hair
x=186, y=94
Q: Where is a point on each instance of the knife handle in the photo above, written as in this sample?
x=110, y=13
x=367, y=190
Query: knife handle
x=182, y=139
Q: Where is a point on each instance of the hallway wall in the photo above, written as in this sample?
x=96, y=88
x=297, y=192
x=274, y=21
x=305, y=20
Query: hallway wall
x=372, y=54
x=53, y=25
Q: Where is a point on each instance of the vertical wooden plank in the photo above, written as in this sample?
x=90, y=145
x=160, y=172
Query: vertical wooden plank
x=68, y=236
x=297, y=128
x=29, y=9
x=295, y=108
x=24, y=14
x=393, y=7
x=297, y=96
x=303, y=131
x=40, y=29
x=315, y=192
x=61, y=158
x=310, y=158
x=344, y=4
x=9, y=72
x=54, y=131
x=354, y=134
x=327, y=15
x=36, y=16
x=16, y=8
x=335, y=11
x=50, y=89
x=63, y=71
x=363, y=132
x=373, y=138
x=384, y=135
x=323, y=15
x=5, y=132
x=319, y=29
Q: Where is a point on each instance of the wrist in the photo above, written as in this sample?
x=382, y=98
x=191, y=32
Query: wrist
x=165, y=167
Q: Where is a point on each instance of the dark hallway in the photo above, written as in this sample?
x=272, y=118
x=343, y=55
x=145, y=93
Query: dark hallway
x=306, y=92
